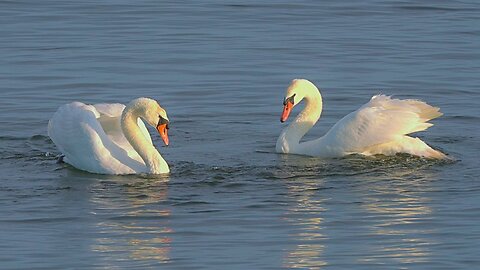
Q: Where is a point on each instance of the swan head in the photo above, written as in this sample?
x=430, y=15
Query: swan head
x=296, y=92
x=150, y=111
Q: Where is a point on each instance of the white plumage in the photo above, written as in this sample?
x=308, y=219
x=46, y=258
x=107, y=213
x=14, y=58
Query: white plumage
x=379, y=127
x=91, y=137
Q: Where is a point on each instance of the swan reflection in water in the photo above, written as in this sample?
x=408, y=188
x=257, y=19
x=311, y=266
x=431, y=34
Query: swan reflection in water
x=381, y=204
x=135, y=225
x=400, y=212
x=305, y=214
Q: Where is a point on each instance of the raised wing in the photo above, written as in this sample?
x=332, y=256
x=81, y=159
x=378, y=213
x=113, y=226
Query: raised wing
x=381, y=120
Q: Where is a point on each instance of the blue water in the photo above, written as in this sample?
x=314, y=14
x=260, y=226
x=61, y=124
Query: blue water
x=221, y=68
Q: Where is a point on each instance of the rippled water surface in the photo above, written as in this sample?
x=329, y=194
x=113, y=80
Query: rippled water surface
x=220, y=68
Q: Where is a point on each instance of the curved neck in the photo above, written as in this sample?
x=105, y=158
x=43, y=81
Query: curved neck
x=152, y=158
x=289, y=140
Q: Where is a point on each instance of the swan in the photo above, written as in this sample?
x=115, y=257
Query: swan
x=110, y=138
x=381, y=126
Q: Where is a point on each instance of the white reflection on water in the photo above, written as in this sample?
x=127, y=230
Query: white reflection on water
x=309, y=249
x=139, y=228
x=388, y=206
x=398, y=208
x=305, y=215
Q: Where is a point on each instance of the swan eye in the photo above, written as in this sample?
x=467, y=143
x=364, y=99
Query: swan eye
x=289, y=99
x=162, y=120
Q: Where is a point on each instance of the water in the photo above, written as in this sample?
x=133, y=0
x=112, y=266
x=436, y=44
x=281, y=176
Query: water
x=220, y=68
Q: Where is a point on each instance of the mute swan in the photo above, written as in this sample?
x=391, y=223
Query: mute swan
x=378, y=127
x=110, y=138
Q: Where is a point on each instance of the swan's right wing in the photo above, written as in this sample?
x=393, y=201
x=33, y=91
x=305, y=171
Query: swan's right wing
x=78, y=134
x=109, y=117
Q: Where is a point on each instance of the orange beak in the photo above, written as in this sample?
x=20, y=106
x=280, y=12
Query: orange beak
x=287, y=109
x=163, y=131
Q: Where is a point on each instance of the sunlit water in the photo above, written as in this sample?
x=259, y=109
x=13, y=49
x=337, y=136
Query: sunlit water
x=220, y=68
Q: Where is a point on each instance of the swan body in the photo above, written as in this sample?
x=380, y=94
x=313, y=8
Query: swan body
x=110, y=138
x=381, y=126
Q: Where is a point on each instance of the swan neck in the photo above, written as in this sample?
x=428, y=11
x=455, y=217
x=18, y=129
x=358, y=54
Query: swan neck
x=152, y=158
x=289, y=140
x=313, y=108
x=307, y=118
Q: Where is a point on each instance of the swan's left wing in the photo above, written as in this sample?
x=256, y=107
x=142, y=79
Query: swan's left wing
x=109, y=117
x=381, y=120
x=77, y=133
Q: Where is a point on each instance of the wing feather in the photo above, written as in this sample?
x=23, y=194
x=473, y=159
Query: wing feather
x=78, y=134
x=381, y=120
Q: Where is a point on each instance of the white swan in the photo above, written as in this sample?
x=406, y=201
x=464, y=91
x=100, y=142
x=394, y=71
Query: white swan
x=378, y=127
x=110, y=138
